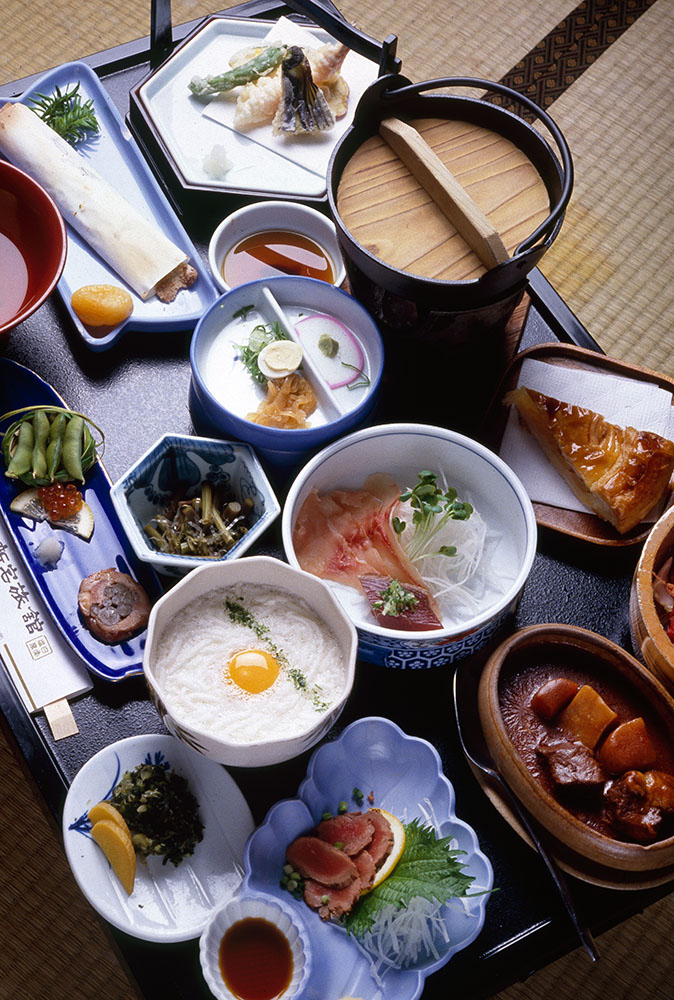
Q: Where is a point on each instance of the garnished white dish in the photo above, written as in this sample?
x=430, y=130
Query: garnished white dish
x=344, y=371
x=248, y=663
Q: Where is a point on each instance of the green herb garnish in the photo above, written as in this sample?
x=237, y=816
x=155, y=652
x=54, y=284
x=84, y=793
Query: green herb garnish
x=432, y=510
x=160, y=810
x=357, y=796
x=428, y=868
x=259, y=337
x=66, y=114
x=243, y=312
x=240, y=615
x=364, y=379
x=395, y=600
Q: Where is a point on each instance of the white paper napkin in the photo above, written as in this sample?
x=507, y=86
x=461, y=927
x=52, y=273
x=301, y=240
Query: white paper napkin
x=623, y=401
x=313, y=151
x=39, y=661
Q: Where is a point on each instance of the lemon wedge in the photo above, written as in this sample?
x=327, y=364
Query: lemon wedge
x=28, y=504
x=396, y=851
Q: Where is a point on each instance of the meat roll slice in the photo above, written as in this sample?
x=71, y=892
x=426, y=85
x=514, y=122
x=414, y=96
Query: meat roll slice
x=113, y=606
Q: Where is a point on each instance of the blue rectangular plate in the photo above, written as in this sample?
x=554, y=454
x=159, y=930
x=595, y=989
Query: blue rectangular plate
x=106, y=548
x=113, y=153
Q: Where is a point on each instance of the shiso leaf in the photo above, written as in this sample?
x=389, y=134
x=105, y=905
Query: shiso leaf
x=428, y=868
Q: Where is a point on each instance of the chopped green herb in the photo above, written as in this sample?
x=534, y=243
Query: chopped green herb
x=343, y=806
x=395, y=600
x=339, y=844
x=357, y=796
x=160, y=811
x=243, y=312
x=240, y=615
x=259, y=337
x=65, y=113
x=326, y=815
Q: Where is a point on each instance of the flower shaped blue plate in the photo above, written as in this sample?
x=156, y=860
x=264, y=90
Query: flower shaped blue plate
x=405, y=774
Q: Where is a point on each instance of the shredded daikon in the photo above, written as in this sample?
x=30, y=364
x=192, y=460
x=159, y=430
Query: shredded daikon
x=399, y=937
x=459, y=583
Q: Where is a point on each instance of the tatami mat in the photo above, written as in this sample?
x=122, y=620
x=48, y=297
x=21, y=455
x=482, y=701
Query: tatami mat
x=613, y=260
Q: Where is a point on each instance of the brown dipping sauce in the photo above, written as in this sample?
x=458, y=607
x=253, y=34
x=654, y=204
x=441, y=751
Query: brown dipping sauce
x=526, y=673
x=256, y=961
x=276, y=252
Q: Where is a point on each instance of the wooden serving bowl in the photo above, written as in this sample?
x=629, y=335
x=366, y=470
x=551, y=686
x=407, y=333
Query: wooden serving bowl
x=651, y=642
x=566, y=650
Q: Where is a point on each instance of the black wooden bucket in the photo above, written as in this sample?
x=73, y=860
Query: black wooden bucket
x=429, y=324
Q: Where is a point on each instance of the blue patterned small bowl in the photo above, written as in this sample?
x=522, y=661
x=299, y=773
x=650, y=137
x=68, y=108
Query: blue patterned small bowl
x=185, y=461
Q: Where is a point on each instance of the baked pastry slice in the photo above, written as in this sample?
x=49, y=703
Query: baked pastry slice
x=620, y=473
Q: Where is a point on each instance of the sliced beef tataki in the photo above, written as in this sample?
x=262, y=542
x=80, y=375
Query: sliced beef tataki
x=317, y=860
x=329, y=901
x=353, y=831
x=382, y=839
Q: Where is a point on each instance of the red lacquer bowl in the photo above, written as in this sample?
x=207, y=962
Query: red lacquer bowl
x=33, y=246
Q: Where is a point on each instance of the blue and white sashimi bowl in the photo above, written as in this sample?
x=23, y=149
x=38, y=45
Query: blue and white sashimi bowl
x=402, y=450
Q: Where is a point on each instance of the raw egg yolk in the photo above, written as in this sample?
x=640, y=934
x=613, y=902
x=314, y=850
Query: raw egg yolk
x=253, y=670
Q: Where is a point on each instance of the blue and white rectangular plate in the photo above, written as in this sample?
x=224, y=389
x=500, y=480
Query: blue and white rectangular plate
x=113, y=153
x=405, y=775
x=107, y=547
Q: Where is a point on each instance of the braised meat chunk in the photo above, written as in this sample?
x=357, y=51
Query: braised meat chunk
x=571, y=764
x=113, y=605
x=637, y=802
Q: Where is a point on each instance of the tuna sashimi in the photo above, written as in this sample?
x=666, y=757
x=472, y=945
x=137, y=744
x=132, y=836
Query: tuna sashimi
x=342, y=535
x=419, y=618
x=331, y=902
x=382, y=842
x=315, y=859
x=366, y=869
x=353, y=831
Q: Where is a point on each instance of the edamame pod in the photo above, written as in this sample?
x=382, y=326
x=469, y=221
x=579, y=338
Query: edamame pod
x=22, y=459
x=40, y=437
x=72, y=448
x=55, y=446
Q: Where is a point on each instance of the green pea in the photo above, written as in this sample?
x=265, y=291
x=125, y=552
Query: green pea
x=22, y=459
x=40, y=437
x=55, y=446
x=72, y=448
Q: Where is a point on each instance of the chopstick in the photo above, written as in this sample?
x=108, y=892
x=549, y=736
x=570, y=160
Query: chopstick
x=445, y=190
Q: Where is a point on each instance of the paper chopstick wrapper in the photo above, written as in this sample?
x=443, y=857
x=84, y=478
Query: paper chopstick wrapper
x=623, y=401
x=43, y=668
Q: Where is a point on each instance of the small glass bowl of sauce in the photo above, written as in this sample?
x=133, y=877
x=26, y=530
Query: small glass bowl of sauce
x=275, y=238
x=254, y=948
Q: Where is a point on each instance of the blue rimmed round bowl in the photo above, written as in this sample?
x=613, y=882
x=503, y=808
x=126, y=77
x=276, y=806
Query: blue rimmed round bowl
x=402, y=450
x=223, y=393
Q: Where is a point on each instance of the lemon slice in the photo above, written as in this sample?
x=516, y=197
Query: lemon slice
x=396, y=851
x=28, y=504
